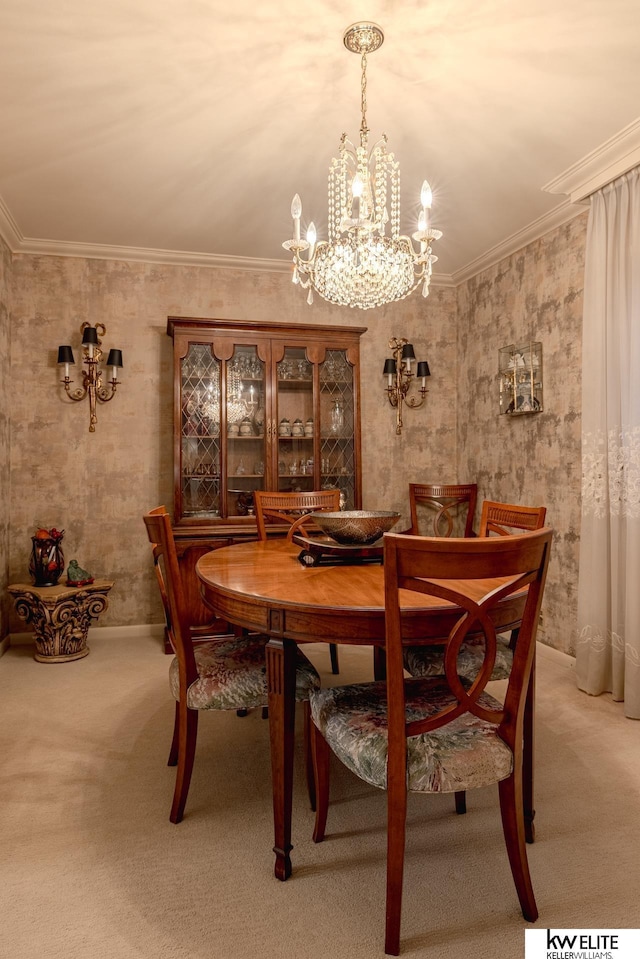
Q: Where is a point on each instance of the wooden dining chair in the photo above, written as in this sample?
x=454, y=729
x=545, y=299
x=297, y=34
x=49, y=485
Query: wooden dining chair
x=228, y=673
x=501, y=519
x=292, y=509
x=442, y=509
x=442, y=733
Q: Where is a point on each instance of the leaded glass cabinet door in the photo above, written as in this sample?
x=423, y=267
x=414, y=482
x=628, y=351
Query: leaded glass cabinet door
x=200, y=445
x=337, y=426
x=295, y=421
x=246, y=459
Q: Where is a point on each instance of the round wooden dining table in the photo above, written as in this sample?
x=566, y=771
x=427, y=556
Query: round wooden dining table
x=263, y=587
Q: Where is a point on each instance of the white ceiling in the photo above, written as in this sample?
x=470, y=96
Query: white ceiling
x=188, y=125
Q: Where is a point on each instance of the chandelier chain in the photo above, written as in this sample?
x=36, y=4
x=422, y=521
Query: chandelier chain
x=364, y=130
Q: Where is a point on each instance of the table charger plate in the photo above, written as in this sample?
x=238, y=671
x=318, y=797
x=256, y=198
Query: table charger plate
x=317, y=550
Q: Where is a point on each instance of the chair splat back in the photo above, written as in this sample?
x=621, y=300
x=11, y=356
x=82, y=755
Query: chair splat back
x=439, y=568
x=504, y=518
x=449, y=504
x=292, y=508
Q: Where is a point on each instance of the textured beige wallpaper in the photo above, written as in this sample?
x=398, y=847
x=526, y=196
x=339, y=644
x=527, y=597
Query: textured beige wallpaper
x=97, y=486
x=5, y=347
x=536, y=294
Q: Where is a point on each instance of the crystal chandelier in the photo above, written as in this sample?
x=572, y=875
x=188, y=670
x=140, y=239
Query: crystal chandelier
x=366, y=262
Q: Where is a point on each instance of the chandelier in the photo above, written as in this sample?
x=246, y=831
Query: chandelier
x=366, y=262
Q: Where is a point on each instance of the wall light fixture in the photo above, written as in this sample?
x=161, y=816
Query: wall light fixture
x=400, y=378
x=92, y=376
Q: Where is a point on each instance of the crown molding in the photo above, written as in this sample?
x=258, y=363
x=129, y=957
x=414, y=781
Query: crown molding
x=9, y=229
x=102, y=251
x=544, y=224
x=99, y=251
x=611, y=159
x=18, y=243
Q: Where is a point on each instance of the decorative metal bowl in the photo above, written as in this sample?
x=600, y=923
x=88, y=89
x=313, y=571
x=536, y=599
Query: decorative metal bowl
x=356, y=527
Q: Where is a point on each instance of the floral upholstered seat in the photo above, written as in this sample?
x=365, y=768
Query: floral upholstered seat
x=464, y=754
x=429, y=660
x=232, y=675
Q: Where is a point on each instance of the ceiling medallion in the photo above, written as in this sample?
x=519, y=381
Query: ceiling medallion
x=366, y=262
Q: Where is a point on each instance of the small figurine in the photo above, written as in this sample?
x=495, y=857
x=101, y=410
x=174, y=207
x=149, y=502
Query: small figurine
x=76, y=576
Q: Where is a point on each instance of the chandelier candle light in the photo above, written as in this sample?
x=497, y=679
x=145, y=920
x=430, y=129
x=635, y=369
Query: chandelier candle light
x=92, y=376
x=366, y=262
x=400, y=378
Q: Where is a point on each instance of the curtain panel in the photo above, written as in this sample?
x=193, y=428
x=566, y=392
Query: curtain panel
x=608, y=641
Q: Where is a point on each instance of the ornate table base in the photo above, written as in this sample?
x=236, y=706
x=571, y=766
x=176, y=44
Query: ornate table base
x=61, y=616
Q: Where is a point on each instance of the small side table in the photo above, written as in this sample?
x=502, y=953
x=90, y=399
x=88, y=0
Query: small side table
x=61, y=616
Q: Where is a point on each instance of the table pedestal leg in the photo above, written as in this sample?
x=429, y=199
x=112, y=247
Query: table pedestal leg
x=281, y=679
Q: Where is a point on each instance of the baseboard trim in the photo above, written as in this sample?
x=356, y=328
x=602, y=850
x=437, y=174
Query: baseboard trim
x=144, y=631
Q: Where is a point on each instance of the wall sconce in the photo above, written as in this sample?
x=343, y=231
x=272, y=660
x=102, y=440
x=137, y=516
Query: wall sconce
x=520, y=375
x=400, y=377
x=92, y=376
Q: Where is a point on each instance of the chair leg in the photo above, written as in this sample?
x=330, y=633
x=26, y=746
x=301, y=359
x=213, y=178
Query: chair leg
x=321, y=754
x=186, y=752
x=173, y=752
x=461, y=802
x=333, y=652
x=528, y=749
x=396, y=828
x=511, y=808
x=308, y=756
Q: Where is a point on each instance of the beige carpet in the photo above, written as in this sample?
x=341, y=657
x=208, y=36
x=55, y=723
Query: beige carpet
x=91, y=868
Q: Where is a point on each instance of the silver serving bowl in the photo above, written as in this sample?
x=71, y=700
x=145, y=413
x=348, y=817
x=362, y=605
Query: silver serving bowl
x=356, y=527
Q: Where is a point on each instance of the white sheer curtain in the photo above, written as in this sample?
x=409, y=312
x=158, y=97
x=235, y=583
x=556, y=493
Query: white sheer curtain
x=608, y=646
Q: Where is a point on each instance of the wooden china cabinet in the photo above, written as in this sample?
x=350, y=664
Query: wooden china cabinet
x=257, y=406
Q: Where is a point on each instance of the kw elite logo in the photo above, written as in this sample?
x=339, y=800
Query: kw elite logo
x=585, y=946
x=582, y=943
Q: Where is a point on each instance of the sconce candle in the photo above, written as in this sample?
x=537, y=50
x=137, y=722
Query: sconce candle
x=90, y=339
x=92, y=376
x=400, y=378
x=65, y=356
x=423, y=372
x=389, y=371
x=114, y=360
x=408, y=354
